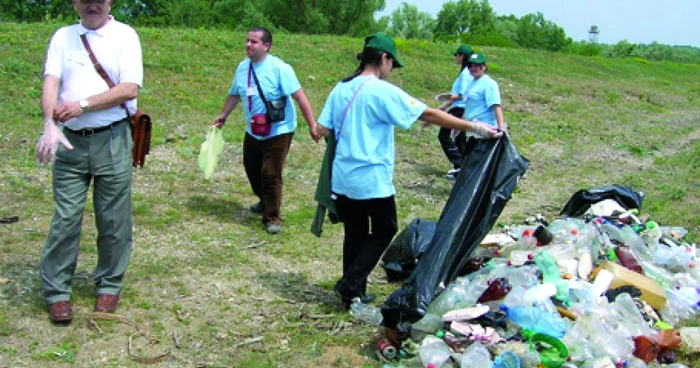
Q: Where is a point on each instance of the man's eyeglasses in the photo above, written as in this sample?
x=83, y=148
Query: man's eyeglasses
x=469, y=65
x=99, y=2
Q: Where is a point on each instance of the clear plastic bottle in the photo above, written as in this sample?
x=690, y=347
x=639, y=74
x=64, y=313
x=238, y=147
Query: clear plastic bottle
x=365, y=313
x=540, y=297
x=476, y=356
x=434, y=351
x=652, y=234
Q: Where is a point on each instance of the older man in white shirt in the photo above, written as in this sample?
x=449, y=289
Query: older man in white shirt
x=87, y=136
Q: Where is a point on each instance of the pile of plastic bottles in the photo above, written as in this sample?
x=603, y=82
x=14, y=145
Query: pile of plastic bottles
x=592, y=292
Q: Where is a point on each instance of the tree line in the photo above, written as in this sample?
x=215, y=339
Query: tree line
x=459, y=21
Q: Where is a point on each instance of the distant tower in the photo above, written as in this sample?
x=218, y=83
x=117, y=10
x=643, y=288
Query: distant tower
x=593, y=34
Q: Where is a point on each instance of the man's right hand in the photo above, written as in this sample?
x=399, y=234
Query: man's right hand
x=48, y=142
x=219, y=121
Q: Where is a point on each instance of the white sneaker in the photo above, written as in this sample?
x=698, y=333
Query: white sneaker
x=452, y=173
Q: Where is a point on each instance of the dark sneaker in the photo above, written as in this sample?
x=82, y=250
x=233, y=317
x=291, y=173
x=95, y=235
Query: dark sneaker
x=256, y=208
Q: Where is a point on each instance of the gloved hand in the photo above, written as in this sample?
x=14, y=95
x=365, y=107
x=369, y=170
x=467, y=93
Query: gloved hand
x=485, y=130
x=48, y=142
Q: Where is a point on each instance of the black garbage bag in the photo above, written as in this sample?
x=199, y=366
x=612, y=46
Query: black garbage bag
x=486, y=181
x=582, y=200
x=401, y=257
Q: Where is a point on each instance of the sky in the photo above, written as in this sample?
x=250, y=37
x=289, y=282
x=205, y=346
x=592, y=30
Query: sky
x=670, y=22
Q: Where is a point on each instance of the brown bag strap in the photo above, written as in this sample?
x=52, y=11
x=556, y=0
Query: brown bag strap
x=100, y=70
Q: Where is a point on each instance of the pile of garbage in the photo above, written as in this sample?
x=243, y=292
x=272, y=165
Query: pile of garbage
x=606, y=288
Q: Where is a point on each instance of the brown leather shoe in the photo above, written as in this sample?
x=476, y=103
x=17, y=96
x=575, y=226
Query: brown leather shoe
x=106, y=303
x=60, y=311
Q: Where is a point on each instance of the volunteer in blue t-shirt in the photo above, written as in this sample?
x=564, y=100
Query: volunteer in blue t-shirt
x=361, y=112
x=483, y=101
x=455, y=106
x=263, y=77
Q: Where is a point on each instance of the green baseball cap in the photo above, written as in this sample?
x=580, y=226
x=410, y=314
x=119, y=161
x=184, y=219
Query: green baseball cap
x=464, y=50
x=477, y=58
x=381, y=42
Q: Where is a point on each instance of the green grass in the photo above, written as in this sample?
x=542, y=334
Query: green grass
x=202, y=267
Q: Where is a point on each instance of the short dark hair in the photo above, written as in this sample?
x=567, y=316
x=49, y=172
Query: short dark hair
x=266, y=34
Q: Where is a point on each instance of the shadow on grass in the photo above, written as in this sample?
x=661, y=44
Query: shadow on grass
x=296, y=287
x=225, y=210
x=23, y=290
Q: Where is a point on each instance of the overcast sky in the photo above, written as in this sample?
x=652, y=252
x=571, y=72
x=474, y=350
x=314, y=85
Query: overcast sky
x=671, y=22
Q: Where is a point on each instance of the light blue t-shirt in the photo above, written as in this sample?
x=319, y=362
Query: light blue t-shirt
x=363, y=167
x=460, y=86
x=276, y=79
x=481, y=95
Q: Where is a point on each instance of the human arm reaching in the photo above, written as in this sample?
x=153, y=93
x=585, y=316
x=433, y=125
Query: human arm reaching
x=445, y=120
x=230, y=104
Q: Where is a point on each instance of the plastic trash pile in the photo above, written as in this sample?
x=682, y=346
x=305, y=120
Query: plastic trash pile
x=603, y=290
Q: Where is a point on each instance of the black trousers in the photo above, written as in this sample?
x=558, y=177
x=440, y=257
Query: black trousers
x=369, y=226
x=448, y=145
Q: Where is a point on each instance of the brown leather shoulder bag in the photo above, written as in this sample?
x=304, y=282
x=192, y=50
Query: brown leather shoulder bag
x=140, y=121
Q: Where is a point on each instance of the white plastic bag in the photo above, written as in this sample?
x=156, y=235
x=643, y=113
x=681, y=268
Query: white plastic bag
x=210, y=152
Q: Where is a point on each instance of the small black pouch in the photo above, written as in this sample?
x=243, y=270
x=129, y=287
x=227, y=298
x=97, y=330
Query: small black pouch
x=275, y=109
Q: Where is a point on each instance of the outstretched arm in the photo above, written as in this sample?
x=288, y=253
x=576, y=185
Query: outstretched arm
x=230, y=104
x=445, y=120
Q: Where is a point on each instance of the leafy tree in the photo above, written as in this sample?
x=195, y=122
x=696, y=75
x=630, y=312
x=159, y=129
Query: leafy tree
x=35, y=10
x=350, y=17
x=535, y=32
x=586, y=49
x=408, y=22
x=457, y=18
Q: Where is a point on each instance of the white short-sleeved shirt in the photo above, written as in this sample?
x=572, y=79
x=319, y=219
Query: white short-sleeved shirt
x=363, y=167
x=482, y=94
x=277, y=79
x=116, y=47
x=459, y=87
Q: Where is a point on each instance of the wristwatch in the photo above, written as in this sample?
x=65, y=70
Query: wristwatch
x=84, y=105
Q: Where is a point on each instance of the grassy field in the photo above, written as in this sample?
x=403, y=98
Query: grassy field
x=203, y=271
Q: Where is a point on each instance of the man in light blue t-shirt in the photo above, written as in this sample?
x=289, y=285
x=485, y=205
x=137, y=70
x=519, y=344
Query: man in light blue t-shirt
x=259, y=79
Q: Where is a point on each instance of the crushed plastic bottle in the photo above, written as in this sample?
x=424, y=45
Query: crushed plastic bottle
x=476, y=356
x=365, y=312
x=434, y=351
x=540, y=297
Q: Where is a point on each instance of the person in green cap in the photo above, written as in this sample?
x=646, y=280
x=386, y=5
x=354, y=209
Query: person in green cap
x=483, y=99
x=361, y=113
x=455, y=106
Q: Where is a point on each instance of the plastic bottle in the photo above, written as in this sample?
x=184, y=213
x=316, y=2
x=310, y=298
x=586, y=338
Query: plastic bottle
x=628, y=259
x=365, y=313
x=519, y=257
x=551, y=274
x=602, y=282
x=652, y=234
x=476, y=356
x=497, y=289
x=434, y=351
x=585, y=262
x=540, y=297
x=632, y=318
x=537, y=320
x=426, y=326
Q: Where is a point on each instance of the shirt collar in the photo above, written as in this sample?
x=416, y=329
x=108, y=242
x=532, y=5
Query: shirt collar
x=102, y=31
